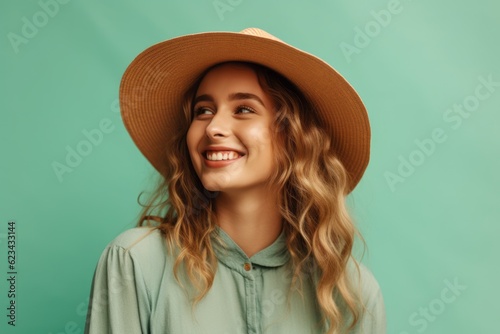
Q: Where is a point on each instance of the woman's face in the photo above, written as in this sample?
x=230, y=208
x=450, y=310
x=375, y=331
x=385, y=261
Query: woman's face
x=229, y=138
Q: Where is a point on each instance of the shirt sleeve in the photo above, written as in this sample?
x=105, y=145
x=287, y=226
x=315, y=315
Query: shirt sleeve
x=119, y=298
x=373, y=320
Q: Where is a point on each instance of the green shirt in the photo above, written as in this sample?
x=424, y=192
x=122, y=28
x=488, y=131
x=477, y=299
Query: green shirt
x=134, y=291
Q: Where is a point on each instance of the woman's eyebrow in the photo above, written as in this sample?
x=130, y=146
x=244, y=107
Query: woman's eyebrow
x=203, y=97
x=245, y=96
x=232, y=97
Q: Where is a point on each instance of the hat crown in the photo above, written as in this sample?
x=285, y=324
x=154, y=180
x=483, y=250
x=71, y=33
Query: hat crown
x=259, y=33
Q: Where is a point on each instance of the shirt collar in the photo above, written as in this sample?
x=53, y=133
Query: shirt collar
x=233, y=256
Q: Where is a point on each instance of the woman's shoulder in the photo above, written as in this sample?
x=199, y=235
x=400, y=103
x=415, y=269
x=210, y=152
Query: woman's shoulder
x=370, y=294
x=137, y=237
x=367, y=280
x=140, y=252
x=363, y=280
x=141, y=242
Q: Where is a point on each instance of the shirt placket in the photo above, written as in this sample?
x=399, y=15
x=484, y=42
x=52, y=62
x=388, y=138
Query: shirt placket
x=252, y=309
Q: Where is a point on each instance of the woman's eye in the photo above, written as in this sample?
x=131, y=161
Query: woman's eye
x=244, y=110
x=202, y=111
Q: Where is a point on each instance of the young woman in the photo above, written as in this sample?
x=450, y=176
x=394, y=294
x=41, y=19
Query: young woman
x=257, y=143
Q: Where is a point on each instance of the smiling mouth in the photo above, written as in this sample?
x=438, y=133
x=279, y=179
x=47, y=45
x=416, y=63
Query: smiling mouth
x=222, y=155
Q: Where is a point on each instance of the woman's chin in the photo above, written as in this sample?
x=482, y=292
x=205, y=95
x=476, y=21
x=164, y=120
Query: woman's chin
x=210, y=185
x=211, y=188
x=216, y=182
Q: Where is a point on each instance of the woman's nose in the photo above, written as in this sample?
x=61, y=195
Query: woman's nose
x=219, y=125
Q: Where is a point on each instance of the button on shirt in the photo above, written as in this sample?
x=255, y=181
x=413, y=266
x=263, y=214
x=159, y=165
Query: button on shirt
x=134, y=291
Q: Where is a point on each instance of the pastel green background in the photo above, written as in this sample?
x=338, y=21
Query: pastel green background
x=439, y=224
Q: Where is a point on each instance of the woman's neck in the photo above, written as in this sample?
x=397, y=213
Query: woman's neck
x=252, y=220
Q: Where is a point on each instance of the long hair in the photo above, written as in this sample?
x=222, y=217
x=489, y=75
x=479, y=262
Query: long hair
x=312, y=185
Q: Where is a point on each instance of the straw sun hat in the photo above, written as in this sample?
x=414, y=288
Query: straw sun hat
x=154, y=83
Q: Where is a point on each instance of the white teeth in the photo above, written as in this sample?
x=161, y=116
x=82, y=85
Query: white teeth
x=215, y=156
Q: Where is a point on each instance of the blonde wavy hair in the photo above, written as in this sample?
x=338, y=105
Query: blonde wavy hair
x=312, y=185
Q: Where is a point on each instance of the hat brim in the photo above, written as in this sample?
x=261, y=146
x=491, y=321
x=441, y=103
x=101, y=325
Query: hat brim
x=154, y=83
